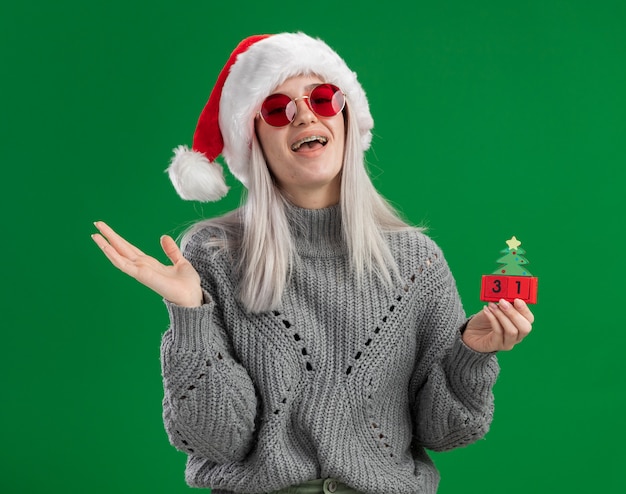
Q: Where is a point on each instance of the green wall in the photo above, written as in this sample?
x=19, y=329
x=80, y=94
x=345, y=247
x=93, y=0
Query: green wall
x=492, y=119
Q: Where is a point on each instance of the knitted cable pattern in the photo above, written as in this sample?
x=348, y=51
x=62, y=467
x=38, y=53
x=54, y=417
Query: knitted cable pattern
x=347, y=380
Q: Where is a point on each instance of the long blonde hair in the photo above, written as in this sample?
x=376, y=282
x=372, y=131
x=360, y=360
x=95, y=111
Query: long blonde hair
x=259, y=232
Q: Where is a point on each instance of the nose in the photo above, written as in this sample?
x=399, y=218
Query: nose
x=304, y=114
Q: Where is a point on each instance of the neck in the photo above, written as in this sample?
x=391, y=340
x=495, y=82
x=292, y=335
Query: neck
x=315, y=197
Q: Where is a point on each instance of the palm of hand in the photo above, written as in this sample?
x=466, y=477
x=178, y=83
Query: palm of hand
x=179, y=283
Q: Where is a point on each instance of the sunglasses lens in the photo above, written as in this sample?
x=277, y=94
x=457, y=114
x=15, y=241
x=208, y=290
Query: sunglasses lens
x=278, y=110
x=327, y=100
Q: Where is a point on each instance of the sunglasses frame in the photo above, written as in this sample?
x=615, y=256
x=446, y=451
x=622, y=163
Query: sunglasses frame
x=306, y=97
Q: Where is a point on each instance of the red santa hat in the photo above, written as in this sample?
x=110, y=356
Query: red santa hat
x=256, y=67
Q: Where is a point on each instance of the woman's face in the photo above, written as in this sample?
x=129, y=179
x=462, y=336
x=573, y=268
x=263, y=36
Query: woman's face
x=309, y=173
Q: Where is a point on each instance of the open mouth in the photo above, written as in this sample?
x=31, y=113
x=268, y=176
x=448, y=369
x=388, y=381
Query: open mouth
x=309, y=142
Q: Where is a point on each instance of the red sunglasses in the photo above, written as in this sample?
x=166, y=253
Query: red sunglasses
x=325, y=100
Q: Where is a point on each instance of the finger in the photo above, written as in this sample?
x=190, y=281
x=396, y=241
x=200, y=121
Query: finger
x=120, y=262
x=489, y=311
x=99, y=240
x=169, y=246
x=524, y=310
x=514, y=324
x=497, y=325
x=510, y=333
x=520, y=318
x=121, y=245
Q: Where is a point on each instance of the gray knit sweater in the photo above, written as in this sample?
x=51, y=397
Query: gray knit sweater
x=346, y=380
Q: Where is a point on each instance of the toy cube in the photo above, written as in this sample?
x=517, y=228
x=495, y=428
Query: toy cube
x=496, y=287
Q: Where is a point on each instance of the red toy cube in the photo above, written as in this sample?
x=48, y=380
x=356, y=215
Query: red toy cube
x=496, y=287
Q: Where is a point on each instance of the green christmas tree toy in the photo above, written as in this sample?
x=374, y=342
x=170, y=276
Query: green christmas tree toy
x=511, y=280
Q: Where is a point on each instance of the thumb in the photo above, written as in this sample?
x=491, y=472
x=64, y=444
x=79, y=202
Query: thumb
x=171, y=249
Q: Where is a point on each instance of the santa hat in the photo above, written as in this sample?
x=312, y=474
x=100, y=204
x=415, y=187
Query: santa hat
x=256, y=67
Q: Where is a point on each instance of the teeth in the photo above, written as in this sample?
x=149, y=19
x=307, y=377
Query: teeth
x=296, y=145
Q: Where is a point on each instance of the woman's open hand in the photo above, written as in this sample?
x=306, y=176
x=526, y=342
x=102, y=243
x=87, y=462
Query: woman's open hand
x=499, y=326
x=178, y=283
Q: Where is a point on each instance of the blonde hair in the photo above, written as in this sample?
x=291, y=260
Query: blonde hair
x=259, y=235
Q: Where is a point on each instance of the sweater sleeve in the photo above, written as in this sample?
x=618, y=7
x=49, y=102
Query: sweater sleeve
x=209, y=404
x=452, y=386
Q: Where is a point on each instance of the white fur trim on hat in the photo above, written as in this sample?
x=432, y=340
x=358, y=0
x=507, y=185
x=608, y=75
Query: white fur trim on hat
x=195, y=178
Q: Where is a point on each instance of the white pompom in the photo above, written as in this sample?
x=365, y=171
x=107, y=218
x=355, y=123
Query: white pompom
x=195, y=178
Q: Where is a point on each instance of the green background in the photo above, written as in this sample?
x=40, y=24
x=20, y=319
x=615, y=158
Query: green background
x=492, y=119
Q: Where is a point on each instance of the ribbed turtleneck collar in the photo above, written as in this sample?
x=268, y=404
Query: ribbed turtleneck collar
x=316, y=232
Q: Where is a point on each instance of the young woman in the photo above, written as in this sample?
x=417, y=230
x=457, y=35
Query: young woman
x=317, y=343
